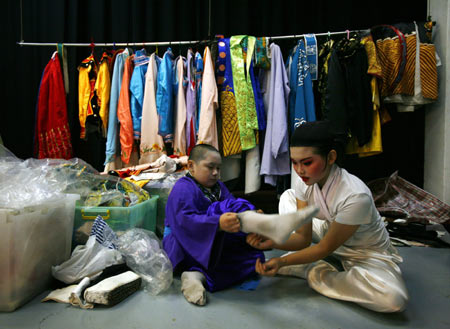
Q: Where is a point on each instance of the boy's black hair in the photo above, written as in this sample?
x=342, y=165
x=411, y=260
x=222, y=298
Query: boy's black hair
x=320, y=135
x=198, y=152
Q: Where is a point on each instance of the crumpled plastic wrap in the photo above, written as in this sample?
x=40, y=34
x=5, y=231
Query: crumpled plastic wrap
x=31, y=182
x=162, y=188
x=22, y=186
x=144, y=255
x=167, y=182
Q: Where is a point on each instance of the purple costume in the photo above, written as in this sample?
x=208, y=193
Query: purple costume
x=193, y=241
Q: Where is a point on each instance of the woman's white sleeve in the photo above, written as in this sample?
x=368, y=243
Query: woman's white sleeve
x=356, y=210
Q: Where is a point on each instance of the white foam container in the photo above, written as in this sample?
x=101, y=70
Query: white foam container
x=32, y=240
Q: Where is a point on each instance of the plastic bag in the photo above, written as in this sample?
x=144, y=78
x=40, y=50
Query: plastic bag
x=5, y=153
x=22, y=186
x=395, y=197
x=162, y=188
x=144, y=255
x=167, y=182
x=32, y=182
x=87, y=260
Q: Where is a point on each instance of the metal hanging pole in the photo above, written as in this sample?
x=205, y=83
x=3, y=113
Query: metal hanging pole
x=167, y=43
x=109, y=44
x=164, y=43
x=295, y=36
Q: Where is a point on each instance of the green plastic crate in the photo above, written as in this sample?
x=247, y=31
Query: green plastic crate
x=142, y=215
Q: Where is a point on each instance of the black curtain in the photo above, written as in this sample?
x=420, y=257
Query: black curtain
x=166, y=20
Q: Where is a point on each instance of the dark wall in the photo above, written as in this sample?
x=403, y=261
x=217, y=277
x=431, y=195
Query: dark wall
x=138, y=21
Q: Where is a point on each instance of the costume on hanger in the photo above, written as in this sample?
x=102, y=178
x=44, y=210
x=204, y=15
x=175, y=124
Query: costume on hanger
x=324, y=57
x=348, y=101
x=137, y=86
x=262, y=53
x=374, y=146
x=86, y=83
x=179, y=142
x=275, y=157
x=259, y=102
x=192, y=238
x=311, y=54
x=392, y=51
x=191, y=103
x=301, y=97
x=207, y=130
x=52, y=133
x=243, y=90
x=231, y=142
x=94, y=88
x=198, y=73
x=152, y=144
x=103, y=89
x=418, y=85
x=112, y=144
x=164, y=96
x=124, y=116
x=252, y=156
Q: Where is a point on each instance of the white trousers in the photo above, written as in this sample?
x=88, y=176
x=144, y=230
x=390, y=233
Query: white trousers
x=371, y=278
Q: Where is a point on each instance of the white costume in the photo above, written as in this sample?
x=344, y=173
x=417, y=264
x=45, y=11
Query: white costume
x=371, y=276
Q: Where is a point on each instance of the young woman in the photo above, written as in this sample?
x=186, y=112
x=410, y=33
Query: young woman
x=348, y=227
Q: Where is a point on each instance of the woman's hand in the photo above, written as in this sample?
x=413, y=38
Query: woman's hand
x=269, y=268
x=229, y=222
x=259, y=242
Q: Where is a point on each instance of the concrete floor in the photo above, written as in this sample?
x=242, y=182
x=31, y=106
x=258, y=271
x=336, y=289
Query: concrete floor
x=277, y=303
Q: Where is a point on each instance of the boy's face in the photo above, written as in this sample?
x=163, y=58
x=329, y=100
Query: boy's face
x=206, y=171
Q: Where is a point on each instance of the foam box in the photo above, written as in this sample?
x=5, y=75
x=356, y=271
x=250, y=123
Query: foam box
x=32, y=240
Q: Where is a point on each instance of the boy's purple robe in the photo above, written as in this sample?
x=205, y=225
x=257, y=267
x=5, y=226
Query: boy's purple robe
x=195, y=242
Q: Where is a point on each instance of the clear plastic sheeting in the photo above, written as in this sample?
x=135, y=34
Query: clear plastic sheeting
x=5, y=153
x=24, y=187
x=162, y=187
x=167, y=182
x=144, y=255
x=31, y=182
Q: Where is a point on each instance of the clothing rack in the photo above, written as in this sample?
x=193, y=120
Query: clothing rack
x=170, y=43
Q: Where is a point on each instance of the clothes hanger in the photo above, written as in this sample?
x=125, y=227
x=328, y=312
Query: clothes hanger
x=295, y=40
x=92, y=46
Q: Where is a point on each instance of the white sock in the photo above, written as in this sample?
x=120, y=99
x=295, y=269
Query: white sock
x=192, y=287
x=276, y=227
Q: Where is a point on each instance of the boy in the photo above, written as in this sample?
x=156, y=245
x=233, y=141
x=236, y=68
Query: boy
x=202, y=236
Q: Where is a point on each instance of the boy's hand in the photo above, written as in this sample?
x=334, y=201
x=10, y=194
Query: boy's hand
x=229, y=222
x=259, y=242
